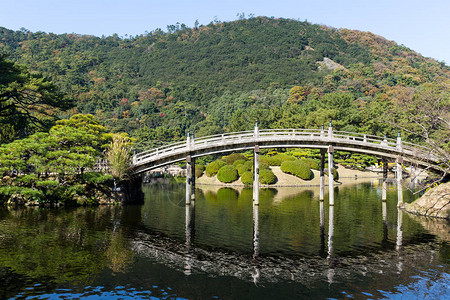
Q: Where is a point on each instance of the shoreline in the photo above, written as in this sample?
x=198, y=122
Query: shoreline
x=346, y=176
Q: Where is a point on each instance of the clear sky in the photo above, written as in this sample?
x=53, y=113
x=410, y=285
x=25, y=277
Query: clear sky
x=422, y=25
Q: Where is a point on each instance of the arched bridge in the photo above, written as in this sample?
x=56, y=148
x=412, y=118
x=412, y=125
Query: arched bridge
x=282, y=138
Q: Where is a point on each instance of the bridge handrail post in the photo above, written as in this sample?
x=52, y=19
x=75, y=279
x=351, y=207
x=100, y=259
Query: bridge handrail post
x=399, y=141
x=193, y=141
x=384, y=142
x=330, y=130
x=256, y=132
x=365, y=138
x=188, y=141
x=322, y=131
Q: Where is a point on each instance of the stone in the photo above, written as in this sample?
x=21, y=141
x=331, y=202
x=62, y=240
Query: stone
x=434, y=203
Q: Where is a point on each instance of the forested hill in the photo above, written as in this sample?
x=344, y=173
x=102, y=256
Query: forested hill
x=224, y=76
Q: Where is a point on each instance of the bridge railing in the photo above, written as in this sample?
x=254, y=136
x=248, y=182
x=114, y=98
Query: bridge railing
x=275, y=134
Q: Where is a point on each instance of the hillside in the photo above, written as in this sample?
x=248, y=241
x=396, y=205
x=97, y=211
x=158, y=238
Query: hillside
x=225, y=76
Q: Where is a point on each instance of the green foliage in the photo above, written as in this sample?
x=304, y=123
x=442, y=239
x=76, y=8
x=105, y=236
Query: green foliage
x=249, y=164
x=52, y=165
x=247, y=178
x=119, y=156
x=263, y=166
x=297, y=168
x=354, y=160
x=232, y=158
x=213, y=167
x=27, y=100
x=267, y=177
x=227, y=174
x=242, y=168
x=276, y=160
x=96, y=178
x=312, y=163
x=239, y=162
x=199, y=170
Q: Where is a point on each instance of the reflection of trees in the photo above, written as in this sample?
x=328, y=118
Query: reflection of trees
x=62, y=245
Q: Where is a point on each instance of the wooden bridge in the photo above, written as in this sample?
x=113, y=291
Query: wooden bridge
x=325, y=140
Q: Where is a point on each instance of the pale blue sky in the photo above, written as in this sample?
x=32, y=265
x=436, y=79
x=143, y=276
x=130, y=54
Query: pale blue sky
x=423, y=26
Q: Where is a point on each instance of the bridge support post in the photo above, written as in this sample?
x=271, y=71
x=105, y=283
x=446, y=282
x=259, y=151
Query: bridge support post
x=322, y=174
x=190, y=179
x=256, y=175
x=399, y=181
x=330, y=175
x=385, y=173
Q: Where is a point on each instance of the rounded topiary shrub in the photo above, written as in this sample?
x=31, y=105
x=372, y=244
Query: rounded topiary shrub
x=278, y=159
x=249, y=164
x=335, y=174
x=227, y=174
x=247, y=178
x=213, y=167
x=262, y=166
x=312, y=163
x=239, y=162
x=199, y=170
x=297, y=168
x=267, y=177
x=242, y=169
x=230, y=159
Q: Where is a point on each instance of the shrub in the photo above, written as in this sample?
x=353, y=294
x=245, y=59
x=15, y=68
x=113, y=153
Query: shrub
x=213, y=167
x=335, y=174
x=199, y=170
x=277, y=159
x=247, y=178
x=262, y=166
x=239, y=162
x=249, y=164
x=312, y=163
x=267, y=177
x=242, y=169
x=96, y=178
x=230, y=159
x=227, y=174
x=297, y=168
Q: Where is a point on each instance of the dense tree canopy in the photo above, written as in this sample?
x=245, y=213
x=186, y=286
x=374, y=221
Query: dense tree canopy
x=27, y=101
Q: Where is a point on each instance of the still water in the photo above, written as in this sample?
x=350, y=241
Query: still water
x=221, y=247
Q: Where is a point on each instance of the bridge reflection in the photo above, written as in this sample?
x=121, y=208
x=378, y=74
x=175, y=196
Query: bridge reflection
x=325, y=265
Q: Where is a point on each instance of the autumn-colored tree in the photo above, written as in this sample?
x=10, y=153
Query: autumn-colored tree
x=297, y=94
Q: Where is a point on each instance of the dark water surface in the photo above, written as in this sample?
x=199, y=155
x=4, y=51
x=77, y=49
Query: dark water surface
x=290, y=247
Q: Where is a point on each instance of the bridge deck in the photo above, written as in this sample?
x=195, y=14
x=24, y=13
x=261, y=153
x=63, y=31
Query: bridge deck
x=292, y=138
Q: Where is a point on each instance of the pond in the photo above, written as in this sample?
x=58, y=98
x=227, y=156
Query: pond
x=291, y=246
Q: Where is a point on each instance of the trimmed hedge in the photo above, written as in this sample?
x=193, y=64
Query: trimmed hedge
x=262, y=166
x=239, y=162
x=230, y=159
x=267, y=177
x=213, y=167
x=335, y=174
x=277, y=159
x=247, y=178
x=199, y=170
x=227, y=174
x=242, y=169
x=297, y=168
x=312, y=163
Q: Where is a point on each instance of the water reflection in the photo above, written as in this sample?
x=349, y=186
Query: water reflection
x=190, y=230
x=220, y=245
x=322, y=229
x=256, y=272
x=330, y=257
